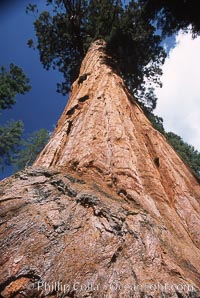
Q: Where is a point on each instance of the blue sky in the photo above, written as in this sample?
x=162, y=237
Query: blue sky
x=179, y=99
x=42, y=106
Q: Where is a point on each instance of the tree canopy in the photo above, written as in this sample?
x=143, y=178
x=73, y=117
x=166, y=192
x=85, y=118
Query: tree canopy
x=171, y=16
x=66, y=30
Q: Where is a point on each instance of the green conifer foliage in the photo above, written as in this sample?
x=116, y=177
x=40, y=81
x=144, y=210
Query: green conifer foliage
x=12, y=82
x=65, y=32
x=186, y=152
x=171, y=16
x=10, y=136
x=30, y=149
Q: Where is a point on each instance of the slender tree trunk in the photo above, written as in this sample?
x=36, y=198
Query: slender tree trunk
x=107, y=210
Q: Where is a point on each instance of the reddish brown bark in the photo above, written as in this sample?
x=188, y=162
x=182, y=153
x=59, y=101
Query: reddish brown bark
x=107, y=203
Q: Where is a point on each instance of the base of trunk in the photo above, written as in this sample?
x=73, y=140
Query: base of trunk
x=65, y=236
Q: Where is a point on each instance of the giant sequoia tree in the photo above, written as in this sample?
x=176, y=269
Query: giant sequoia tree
x=108, y=209
x=133, y=45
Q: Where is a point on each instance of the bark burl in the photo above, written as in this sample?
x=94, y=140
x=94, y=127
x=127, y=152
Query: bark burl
x=107, y=210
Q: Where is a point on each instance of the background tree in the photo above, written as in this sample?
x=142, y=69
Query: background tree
x=14, y=149
x=30, y=149
x=12, y=82
x=10, y=137
x=187, y=152
x=66, y=30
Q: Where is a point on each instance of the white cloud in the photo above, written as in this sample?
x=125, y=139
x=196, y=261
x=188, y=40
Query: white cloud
x=179, y=99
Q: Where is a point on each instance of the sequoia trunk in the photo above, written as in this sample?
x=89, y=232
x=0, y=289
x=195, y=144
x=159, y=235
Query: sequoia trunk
x=108, y=208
